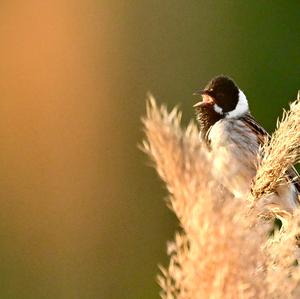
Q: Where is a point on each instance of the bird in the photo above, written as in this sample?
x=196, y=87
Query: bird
x=234, y=138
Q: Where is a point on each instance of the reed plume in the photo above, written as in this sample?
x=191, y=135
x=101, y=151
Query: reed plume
x=178, y=156
x=223, y=250
x=280, y=153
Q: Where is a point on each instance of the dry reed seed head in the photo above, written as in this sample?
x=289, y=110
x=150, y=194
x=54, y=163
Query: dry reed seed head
x=281, y=266
x=221, y=258
x=181, y=160
x=280, y=153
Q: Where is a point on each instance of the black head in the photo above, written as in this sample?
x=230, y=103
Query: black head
x=224, y=93
x=221, y=99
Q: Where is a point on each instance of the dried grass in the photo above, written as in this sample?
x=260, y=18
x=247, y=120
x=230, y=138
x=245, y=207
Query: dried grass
x=178, y=156
x=280, y=153
x=224, y=250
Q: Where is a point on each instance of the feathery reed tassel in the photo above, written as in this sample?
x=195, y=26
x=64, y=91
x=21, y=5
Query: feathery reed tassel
x=180, y=158
x=217, y=257
x=281, y=256
x=279, y=154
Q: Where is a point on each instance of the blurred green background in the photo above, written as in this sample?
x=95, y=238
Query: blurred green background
x=82, y=215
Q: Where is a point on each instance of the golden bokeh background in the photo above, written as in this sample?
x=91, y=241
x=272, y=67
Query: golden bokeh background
x=81, y=213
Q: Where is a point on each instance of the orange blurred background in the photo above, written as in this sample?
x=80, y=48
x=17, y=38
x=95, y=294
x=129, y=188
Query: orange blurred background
x=56, y=128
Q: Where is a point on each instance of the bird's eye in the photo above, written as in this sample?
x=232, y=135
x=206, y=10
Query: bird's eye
x=220, y=95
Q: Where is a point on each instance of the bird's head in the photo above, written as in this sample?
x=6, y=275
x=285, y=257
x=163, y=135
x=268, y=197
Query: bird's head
x=224, y=97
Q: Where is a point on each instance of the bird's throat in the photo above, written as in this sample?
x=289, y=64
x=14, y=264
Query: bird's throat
x=207, y=117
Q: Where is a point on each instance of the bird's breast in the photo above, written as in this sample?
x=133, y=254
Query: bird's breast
x=234, y=150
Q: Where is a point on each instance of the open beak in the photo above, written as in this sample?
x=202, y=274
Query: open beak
x=199, y=104
x=207, y=97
